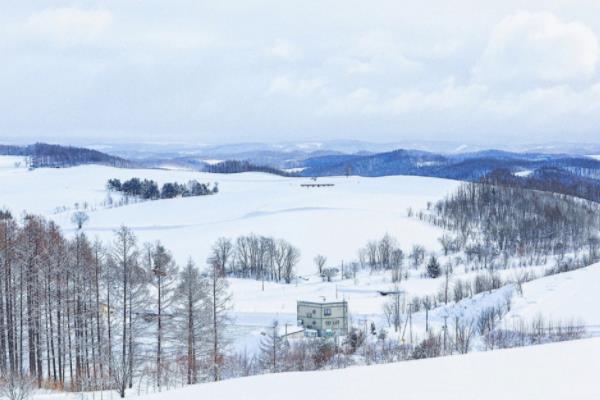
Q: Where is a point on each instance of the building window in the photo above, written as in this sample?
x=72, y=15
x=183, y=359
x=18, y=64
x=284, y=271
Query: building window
x=327, y=311
x=327, y=322
x=314, y=311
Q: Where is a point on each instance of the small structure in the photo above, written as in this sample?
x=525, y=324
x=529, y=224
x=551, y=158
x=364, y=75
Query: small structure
x=291, y=332
x=316, y=185
x=323, y=318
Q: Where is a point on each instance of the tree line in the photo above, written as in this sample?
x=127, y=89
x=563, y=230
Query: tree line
x=578, y=182
x=237, y=166
x=83, y=315
x=148, y=189
x=490, y=220
x=256, y=257
x=43, y=155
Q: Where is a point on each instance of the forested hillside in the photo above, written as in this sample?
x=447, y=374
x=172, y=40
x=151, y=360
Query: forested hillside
x=43, y=155
x=470, y=166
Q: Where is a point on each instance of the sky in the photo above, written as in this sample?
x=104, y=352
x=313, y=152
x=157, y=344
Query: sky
x=270, y=70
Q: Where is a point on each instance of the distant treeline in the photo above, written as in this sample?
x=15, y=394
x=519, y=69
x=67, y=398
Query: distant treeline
x=149, y=190
x=235, y=166
x=573, y=182
x=42, y=155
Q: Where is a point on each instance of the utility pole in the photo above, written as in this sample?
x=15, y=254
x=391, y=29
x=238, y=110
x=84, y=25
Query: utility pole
x=410, y=322
x=445, y=331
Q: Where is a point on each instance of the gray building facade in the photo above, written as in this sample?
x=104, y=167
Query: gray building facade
x=324, y=318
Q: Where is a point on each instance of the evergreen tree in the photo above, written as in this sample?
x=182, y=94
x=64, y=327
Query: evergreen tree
x=433, y=268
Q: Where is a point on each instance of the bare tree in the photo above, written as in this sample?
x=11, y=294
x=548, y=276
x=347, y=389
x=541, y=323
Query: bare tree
x=463, y=333
x=320, y=261
x=16, y=386
x=125, y=254
x=221, y=254
x=417, y=255
x=164, y=273
x=218, y=305
x=191, y=297
x=272, y=347
x=79, y=218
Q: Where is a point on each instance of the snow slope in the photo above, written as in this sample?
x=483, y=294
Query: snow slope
x=573, y=295
x=559, y=371
x=335, y=221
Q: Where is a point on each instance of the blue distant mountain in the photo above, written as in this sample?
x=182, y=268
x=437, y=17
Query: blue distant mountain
x=468, y=166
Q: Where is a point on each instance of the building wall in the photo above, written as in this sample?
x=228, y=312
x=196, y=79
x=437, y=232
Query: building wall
x=324, y=316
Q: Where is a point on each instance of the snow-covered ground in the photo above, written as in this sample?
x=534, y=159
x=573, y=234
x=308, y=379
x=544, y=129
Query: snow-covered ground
x=568, y=296
x=558, y=371
x=334, y=221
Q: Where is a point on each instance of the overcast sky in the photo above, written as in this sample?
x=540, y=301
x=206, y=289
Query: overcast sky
x=273, y=70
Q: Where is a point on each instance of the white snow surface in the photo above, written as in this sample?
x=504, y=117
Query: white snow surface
x=335, y=221
x=558, y=371
x=573, y=295
x=524, y=173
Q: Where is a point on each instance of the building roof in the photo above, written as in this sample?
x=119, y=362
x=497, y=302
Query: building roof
x=320, y=301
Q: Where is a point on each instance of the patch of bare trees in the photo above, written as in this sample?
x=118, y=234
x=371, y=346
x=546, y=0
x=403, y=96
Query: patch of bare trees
x=490, y=220
x=384, y=254
x=80, y=315
x=258, y=257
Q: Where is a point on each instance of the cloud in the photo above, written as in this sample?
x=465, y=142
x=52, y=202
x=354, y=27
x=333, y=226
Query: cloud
x=295, y=87
x=332, y=69
x=283, y=49
x=525, y=48
x=361, y=100
x=378, y=51
x=68, y=25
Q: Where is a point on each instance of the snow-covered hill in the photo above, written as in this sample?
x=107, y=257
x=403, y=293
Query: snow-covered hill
x=335, y=221
x=559, y=371
x=568, y=296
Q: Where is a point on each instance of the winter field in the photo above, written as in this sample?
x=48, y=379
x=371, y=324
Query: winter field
x=556, y=371
x=553, y=371
x=334, y=221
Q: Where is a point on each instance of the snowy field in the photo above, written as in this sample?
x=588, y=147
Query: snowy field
x=572, y=295
x=334, y=221
x=557, y=371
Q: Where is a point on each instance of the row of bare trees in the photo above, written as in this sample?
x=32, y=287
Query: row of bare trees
x=491, y=220
x=254, y=256
x=81, y=315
